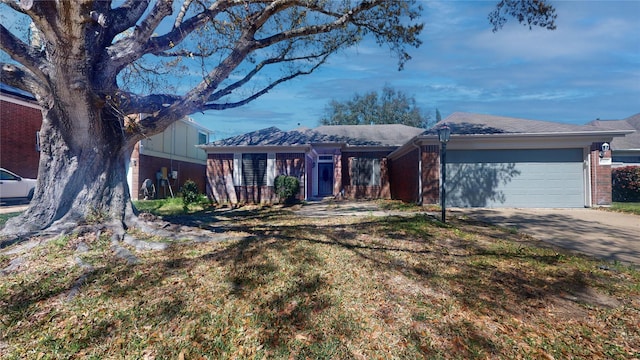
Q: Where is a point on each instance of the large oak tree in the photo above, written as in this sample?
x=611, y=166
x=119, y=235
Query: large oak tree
x=87, y=63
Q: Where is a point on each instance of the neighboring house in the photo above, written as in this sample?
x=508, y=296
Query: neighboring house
x=494, y=161
x=169, y=159
x=343, y=160
x=624, y=151
x=20, y=121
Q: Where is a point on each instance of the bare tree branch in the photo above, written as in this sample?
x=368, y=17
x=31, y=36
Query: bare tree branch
x=22, y=53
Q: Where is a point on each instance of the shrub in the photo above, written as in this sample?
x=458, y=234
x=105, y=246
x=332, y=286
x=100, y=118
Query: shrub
x=190, y=193
x=287, y=188
x=626, y=184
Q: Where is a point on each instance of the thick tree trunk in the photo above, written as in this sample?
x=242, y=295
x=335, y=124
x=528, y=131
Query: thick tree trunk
x=82, y=176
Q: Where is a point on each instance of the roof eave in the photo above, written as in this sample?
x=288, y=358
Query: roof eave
x=224, y=149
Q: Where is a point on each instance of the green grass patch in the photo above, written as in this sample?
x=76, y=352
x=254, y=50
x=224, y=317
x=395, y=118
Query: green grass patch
x=628, y=207
x=332, y=288
x=7, y=216
x=171, y=206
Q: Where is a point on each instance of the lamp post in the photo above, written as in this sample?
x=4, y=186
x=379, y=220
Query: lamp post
x=443, y=135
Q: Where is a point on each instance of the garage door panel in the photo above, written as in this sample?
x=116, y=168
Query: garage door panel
x=518, y=182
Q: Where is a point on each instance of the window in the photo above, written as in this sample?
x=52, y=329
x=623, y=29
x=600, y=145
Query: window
x=4, y=175
x=254, y=169
x=365, y=171
x=202, y=138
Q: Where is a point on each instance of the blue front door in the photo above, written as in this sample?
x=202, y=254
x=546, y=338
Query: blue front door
x=325, y=179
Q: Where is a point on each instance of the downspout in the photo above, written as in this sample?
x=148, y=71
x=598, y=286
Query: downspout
x=419, y=148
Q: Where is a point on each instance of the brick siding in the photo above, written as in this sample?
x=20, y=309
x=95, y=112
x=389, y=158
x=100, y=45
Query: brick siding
x=382, y=191
x=600, y=177
x=221, y=189
x=18, y=127
x=431, y=174
x=147, y=166
x=404, y=177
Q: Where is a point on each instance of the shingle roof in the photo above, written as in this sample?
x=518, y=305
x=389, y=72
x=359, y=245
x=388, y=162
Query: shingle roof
x=353, y=135
x=630, y=141
x=470, y=124
x=383, y=134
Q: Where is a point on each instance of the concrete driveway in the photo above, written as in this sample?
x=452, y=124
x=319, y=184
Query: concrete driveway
x=603, y=234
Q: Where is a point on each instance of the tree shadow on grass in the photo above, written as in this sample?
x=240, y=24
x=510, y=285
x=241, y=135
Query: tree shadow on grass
x=412, y=247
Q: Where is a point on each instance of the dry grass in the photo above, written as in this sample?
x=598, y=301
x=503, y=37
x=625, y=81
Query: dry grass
x=401, y=287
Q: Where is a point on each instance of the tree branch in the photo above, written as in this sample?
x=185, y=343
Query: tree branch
x=219, y=94
x=23, y=53
x=17, y=77
x=126, y=16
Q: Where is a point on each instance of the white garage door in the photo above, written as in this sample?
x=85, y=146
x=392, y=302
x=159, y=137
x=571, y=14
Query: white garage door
x=515, y=178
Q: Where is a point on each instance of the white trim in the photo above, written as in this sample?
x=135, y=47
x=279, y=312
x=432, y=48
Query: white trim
x=587, y=178
x=562, y=140
x=169, y=156
x=237, y=169
x=22, y=102
x=271, y=168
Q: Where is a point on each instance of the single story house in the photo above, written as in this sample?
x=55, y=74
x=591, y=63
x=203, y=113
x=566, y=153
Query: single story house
x=625, y=151
x=491, y=161
x=343, y=160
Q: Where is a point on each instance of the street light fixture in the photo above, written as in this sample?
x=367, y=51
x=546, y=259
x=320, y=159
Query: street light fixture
x=444, y=133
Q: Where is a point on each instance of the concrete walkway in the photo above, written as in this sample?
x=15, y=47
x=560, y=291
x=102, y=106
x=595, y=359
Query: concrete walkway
x=603, y=234
x=10, y=208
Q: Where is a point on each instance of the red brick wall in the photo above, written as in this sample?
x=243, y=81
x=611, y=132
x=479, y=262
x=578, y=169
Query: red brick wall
x=600, y=177
x=220, y=179
x=404, y=177
x=430, y=174
x=148, y=166
x=383, y=191
x=18, y=127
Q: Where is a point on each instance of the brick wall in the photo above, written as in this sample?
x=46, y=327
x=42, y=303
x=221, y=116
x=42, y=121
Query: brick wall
x=220, y=179
x=18, y=126
x=431, y=174
x=600, y=177
x=382, y=191
x=403, y=174
x=148, y=166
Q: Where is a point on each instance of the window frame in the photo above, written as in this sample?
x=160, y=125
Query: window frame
x=372, y=165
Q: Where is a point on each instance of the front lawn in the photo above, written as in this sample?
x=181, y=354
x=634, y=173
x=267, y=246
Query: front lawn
x=628, y=207
x=291, y=287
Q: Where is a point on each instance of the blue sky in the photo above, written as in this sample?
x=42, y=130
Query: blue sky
x=586, y=69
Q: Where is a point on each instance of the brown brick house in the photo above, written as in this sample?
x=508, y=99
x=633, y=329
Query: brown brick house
x=492, y=161
x=346, y=160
